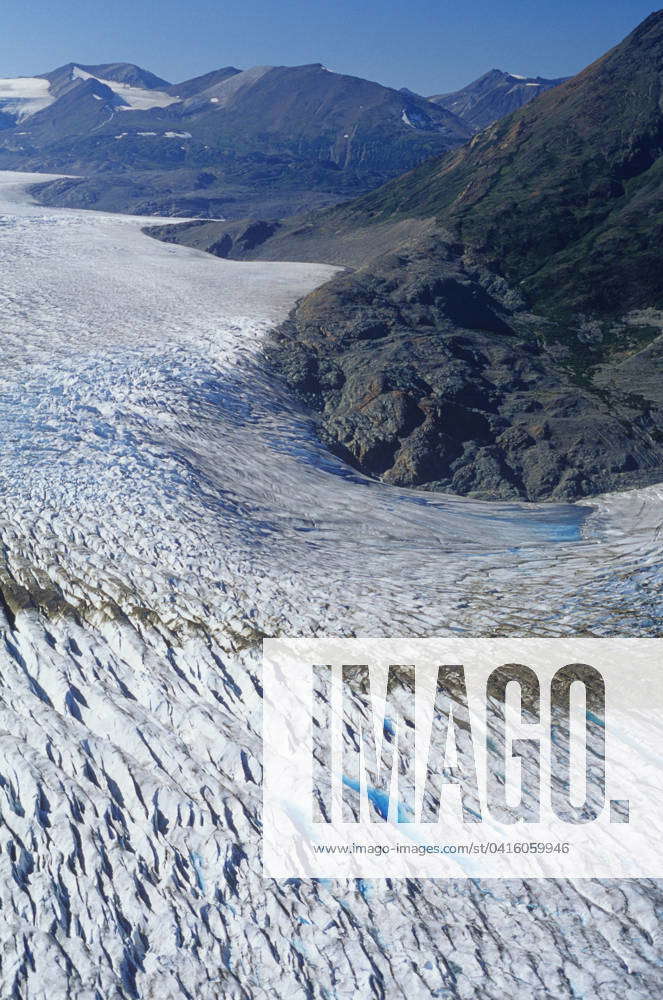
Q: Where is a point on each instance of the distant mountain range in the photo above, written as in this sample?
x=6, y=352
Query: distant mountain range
x=501, y=332
x=494, y=95
x=270, y=140
x=226, y=142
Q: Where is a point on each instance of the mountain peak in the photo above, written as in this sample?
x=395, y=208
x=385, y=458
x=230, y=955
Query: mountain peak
x=197, y=84
x=492, y=96
x=128, y=73
x=119, y=72
x=655, y=21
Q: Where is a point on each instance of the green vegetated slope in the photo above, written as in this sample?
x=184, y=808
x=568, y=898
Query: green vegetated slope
x=565, y=194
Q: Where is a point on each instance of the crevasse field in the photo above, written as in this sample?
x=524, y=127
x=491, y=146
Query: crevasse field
x=164, y=506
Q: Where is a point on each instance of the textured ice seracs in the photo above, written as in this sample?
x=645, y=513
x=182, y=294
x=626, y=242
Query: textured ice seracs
x=162, y=506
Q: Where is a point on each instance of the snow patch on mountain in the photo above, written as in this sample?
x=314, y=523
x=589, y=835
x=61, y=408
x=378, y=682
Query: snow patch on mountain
x=133, y=98
x=22, y=97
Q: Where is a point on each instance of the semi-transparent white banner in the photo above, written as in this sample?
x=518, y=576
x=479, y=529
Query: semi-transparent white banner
x=459, y=758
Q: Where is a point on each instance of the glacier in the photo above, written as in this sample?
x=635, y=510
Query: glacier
x=164, y=505
x=21, y=97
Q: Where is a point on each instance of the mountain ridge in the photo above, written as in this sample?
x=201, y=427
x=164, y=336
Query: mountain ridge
x=494, y=95
x=300, y=134
x=270, y=140
x=127, y=73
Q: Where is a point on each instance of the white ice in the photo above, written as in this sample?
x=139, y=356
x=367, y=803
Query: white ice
x=163, y=504
x=24, y=96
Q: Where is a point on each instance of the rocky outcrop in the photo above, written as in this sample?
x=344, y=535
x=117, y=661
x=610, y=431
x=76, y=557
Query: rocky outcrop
x=428, y=371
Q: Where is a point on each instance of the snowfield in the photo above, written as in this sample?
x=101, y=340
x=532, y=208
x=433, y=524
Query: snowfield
x=134, y=98
x=21, y=97
x=163, y=505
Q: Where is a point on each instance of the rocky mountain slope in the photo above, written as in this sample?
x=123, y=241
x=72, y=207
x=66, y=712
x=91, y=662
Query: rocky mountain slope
x=505, y=339
x=267, y=138
x=493, y=96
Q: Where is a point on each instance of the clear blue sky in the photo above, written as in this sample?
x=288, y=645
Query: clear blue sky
x=430, y=46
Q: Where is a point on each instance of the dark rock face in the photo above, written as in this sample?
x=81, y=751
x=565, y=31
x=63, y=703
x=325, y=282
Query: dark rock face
x=248, y=239
x=428, y=372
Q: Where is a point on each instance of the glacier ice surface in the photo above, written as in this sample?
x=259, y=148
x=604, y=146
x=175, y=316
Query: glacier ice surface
x=163, y=505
